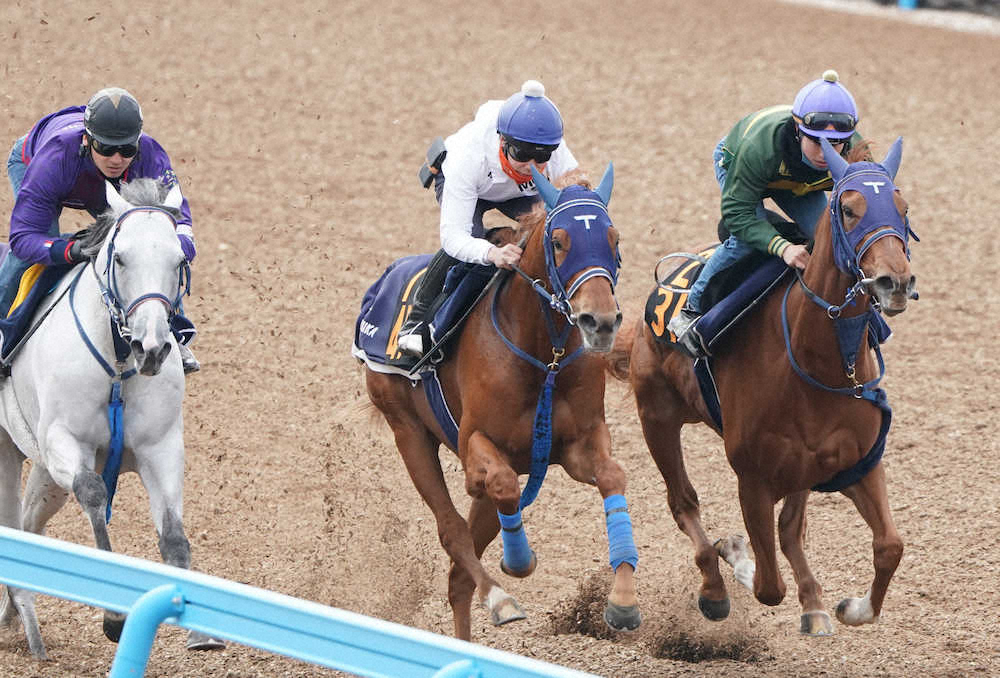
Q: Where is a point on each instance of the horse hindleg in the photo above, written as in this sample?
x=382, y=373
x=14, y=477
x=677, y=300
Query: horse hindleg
x=659, y=412
x=16, y=602
x=758, y=517
x=791, y=534
x=870, y=498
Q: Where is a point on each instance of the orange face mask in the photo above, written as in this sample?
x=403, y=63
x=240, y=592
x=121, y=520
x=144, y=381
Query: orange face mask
x=510, y=171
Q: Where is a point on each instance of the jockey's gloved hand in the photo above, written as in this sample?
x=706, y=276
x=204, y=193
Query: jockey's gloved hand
x=75, y=252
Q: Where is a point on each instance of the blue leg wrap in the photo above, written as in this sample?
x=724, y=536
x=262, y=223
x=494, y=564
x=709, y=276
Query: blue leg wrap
x=621, y=545
x=516, y=552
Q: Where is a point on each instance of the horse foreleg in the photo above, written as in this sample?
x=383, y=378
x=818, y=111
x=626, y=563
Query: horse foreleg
x=661, y=426
x=622, y=610
x=488, y=476
x=791, y=535
x=758, y=517
x=161, y=470
x=483, y=524
x=870, y=498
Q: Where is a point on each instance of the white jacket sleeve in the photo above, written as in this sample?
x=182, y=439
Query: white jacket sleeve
x=458, y=206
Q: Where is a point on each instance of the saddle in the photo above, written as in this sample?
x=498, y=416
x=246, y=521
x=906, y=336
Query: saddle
x=728, y=296
x=387, y=303
x=36, y=283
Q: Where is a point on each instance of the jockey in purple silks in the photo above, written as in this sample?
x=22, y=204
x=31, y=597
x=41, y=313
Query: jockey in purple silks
x=64, y=161
x=773, y=153
x=488, y=166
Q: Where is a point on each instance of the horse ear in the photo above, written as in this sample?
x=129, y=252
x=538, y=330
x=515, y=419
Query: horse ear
x=549, y=193
x=837, y=165
x=174, y=197
x=892, y=158
x=115, y=201
x=607, y=182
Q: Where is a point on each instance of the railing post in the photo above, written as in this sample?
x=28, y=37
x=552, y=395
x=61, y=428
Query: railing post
x=146, y=615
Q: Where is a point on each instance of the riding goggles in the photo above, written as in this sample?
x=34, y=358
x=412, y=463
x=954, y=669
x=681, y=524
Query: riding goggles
x=520, y=151
x=842, y=122
x=832, y=140
x=125, y=150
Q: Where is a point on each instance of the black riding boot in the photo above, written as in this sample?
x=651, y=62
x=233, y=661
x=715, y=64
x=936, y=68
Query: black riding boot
x=411, y=333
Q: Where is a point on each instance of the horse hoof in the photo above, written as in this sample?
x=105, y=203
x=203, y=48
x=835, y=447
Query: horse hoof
x=714, y=610
x=114, y=622
x=622, y=618
x=816, y=623
x=507, y=611
x=522, y=572
x=199, y=641
x=856, y=611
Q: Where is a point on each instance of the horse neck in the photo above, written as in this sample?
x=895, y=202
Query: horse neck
x=521, y=310
x=813, y=333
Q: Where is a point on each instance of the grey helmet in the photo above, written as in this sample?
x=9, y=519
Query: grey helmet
x=113, y=117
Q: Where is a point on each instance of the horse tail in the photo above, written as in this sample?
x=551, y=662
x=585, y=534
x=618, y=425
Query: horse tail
x=618, y=359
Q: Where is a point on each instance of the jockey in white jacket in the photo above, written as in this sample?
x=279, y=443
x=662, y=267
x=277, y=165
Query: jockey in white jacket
x=488, y=166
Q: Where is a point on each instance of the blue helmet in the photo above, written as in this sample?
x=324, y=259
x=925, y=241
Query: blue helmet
x=530, y=116
x=824, y=108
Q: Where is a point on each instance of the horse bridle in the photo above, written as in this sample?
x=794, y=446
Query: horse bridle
x=880, y=220
x=110, y=294
x=604, y=264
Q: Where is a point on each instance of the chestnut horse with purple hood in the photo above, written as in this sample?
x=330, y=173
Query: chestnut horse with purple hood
x=799, y=406
x=524, y=384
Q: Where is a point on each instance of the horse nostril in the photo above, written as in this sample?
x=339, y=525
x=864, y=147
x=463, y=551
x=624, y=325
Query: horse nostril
x=586, y=322
x=884, y=284
x=618, y=320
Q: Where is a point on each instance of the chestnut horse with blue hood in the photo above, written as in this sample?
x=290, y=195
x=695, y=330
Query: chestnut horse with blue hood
x=526, y=389
x=799, y=406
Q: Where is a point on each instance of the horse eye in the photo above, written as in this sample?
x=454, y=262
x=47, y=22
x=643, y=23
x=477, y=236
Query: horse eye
x=848, y=212
x=118, y=259
x=556, y=245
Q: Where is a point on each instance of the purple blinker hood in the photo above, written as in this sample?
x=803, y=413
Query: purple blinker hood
x=584, y=215
x=875, y=182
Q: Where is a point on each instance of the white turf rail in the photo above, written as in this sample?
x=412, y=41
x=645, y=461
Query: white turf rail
x=153, y=593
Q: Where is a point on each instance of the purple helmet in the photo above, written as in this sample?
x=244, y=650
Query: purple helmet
x=530, y=116
x=824, y=108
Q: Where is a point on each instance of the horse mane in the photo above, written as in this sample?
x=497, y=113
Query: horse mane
x=141, y=192
x=861, y=153
x=536, y=217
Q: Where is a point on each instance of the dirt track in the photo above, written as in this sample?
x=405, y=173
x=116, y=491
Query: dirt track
x=297, y=129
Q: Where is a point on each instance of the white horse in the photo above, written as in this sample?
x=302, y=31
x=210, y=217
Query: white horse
x=107, y=331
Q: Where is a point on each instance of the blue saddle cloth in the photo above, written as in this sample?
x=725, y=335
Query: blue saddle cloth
x=669, y=296
x=387, y=303
x=384, y=309
x=13, y=327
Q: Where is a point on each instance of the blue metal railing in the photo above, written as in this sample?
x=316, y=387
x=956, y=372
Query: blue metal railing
x=153, y=593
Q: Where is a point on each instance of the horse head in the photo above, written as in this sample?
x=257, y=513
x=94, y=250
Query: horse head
x=870, y=227
x=581, y=257
x=141, y=260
